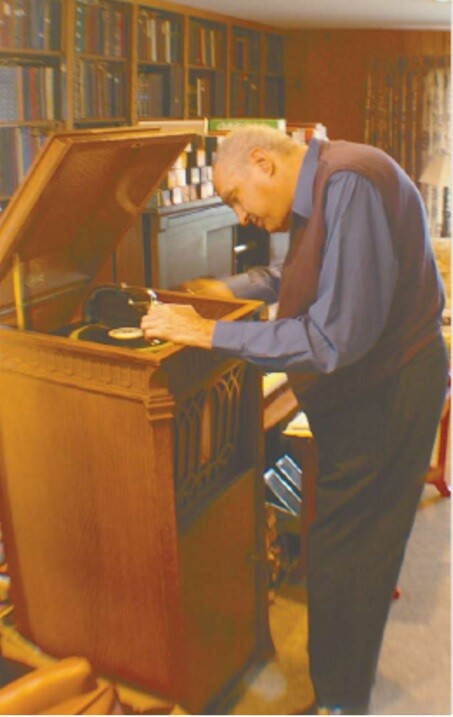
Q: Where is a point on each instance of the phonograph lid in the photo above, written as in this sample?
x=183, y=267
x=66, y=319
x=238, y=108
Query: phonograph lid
x=81, y=195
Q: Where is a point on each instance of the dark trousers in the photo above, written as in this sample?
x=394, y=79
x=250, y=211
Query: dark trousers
x=373, y=454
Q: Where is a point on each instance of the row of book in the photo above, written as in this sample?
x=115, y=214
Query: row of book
x=246, y=51
x=150, y=95
x=245, y=95
x=160, y=93
x=190, y=177
x=273, y=97
x=199, y=153
x=102, y=29
x=207, y=46
x=274, y=54
x=33, y=24
x=206, y=94
x=27, y=92
x=182, y=194
x=99, y=90
x=18, y=148
x=158, y=37
x=181, y=177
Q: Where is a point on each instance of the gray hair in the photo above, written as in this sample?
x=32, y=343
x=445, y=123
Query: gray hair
x=237, y=145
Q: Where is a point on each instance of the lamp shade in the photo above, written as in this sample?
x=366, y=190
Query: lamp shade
x=438, y=171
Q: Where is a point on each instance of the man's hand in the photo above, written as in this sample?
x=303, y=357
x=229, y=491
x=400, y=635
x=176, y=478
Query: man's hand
x=179, y=323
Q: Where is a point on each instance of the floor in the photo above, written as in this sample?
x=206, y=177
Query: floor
x=414, y=670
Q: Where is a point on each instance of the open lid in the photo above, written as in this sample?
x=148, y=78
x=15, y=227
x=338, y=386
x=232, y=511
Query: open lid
x=81, y=195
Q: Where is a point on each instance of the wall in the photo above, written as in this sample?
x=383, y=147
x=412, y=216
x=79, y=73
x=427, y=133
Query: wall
x=325, y=72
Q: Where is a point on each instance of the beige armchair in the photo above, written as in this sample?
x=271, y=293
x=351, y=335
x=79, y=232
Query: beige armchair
x=67, y=687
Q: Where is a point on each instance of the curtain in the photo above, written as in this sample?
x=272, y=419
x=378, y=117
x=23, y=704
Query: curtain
x=407, y=114
x=436, y=139
x=393, y=110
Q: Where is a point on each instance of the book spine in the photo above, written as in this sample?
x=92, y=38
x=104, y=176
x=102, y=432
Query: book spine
x=6, y=12
x=50, y=80
x=21, y=147
x=167, y=40
x=20, y=94
x=176, y=91
x=79, y=28
x=219, y=95
x=175, y=41
x=8, y=92
x=31, y=72
x=153, y=39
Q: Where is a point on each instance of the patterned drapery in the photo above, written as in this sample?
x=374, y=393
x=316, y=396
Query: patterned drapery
x=436, y=139
x=407, y=114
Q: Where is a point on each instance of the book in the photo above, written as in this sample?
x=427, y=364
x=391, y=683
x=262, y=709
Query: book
x=219, y=95
x=176, y=91
x=239, y=52
x=150, y=93
x=8, y=92
x=224, y=124
x=203, y=90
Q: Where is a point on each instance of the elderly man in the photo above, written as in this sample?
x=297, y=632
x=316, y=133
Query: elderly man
x=358, y=332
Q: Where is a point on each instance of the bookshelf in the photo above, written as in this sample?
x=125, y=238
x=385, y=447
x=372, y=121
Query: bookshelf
x=31, y=86
x=66, y=64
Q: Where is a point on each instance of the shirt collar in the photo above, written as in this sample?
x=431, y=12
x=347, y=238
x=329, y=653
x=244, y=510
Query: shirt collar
x=303, y=197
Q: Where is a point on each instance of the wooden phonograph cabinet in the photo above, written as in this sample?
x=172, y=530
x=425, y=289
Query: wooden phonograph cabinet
x=130, y=475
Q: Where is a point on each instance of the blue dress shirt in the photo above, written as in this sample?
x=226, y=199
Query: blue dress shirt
x=356, y=284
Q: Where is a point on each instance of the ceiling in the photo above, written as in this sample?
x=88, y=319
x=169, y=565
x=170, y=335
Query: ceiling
x=379, y=14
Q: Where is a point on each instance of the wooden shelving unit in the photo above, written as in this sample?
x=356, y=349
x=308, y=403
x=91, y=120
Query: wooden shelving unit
x=78, y=63
x=31, y=84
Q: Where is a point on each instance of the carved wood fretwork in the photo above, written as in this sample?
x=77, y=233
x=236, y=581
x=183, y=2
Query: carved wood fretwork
x=207, y=428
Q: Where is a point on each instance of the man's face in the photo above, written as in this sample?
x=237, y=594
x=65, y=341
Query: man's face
x=257, y=192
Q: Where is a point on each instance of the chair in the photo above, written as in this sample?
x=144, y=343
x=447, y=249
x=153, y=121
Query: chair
x=437, y=473
x=67, y=687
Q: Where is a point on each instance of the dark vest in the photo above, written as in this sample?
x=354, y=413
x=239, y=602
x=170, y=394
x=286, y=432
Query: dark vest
x=414, y=317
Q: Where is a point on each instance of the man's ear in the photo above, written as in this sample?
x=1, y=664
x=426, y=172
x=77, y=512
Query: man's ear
x=263, y=160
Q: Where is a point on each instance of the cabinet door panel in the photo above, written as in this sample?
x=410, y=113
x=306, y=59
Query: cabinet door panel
x=220, y=605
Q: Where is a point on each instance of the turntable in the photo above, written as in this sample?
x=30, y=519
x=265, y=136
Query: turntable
x=112, y=315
